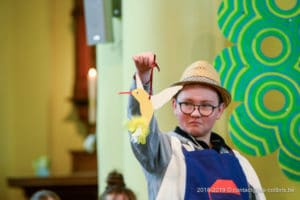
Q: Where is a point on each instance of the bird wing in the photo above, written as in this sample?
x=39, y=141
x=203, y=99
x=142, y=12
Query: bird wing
x=158, y=100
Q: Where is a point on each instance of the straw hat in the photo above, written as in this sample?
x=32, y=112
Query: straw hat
x=202, y=72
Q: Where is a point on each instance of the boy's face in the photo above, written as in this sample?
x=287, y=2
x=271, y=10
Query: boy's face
x=195, y=124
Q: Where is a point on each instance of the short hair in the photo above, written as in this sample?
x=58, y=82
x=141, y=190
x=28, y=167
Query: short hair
x=44, y=195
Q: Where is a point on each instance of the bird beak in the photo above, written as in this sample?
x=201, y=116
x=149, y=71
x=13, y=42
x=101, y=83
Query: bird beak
x=129, y=92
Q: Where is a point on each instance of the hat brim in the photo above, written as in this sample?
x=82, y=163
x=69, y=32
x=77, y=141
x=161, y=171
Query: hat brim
x=225, y=95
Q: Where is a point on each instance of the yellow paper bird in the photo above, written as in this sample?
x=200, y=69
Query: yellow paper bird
x=139, y=125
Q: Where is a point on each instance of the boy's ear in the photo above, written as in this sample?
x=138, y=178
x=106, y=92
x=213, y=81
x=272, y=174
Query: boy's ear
x=221, y=109
x=174, y=105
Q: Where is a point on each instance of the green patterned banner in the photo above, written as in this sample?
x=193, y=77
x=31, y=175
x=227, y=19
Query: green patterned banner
x=262, y=64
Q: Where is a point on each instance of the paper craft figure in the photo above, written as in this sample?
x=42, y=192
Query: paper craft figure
x=139, y=125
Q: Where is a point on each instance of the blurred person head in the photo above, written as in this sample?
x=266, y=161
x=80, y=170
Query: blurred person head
x=116, y=188
x=44, y=195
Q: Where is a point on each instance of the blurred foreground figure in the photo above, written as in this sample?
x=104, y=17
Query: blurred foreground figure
x=45, y=195
x=116, y=188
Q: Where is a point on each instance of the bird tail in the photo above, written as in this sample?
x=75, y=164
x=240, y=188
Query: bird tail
x=139, y=128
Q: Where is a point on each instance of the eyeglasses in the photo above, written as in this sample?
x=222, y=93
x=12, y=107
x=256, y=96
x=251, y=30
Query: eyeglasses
x=204, y=109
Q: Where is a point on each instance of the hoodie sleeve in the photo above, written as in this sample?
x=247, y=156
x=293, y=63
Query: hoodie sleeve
x=155, y=155
x=251, y=176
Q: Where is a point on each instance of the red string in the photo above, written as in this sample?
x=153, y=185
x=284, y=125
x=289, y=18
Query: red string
x=154, y=64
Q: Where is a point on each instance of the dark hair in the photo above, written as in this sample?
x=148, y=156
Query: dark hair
x=44, y=195
x=116, y=185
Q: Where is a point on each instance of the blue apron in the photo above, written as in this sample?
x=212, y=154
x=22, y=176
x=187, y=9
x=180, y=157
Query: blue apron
x=214, y=176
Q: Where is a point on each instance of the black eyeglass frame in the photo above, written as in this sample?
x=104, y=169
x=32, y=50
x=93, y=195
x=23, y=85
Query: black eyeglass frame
x=198, y=108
